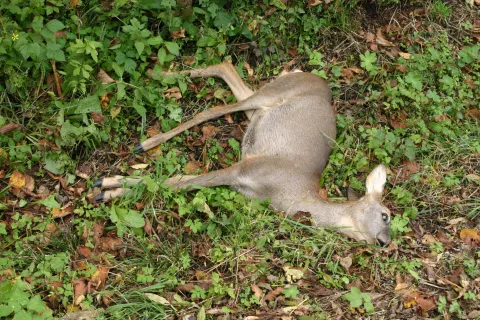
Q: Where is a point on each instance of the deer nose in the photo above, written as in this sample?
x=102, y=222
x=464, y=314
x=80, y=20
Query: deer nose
x=383, y=240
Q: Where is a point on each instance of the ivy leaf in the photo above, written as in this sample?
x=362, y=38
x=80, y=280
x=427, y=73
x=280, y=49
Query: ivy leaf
x=415, y=80
x=55, y=25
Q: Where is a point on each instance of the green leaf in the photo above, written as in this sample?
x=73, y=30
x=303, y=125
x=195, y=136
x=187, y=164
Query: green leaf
x=50, y=202
x=55, y=25
x=354, y=297
x=3, y=228
x=155, y=41
x=55, y=52
x=5, y=310
x=131, y=218
x=36, y=304
x=162, y=55
x=84, y=106
x=201, y=314
x=173, y=48
x=37, y=24
x=130, y=65
x=291, y=292
x=206, y=41
x=120, y=90
x=367, y=60
x=139, y=46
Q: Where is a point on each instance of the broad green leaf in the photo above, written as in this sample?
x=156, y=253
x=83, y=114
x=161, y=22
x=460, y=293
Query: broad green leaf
x=55, y=25
x=83, y=106
x=50, y=202
x=139, y=46
x=291, y=292
x=37, y=24
x=36, y=304
x=173, y=48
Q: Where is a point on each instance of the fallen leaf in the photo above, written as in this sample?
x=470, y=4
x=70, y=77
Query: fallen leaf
x=192, y=167
x=104, y=77
x=17, y=179
x=99, y=277
x=139, y=166
x=256, y=291
x=470, y=236
x=346, y=262
x=62, y=212
x=249, y=69
x=79, y=290
x=84, y=251
x=9, y=127
x=97, y=117
x=208, y=132
x=405, y=55
x=177, y=34
x=381, y=39
x=173, y=93
x=115, y=111
x=475, y=113
x=313, y=3
x=293, y=274
x=270, y=296
x=323, y=193
x=158, y=299
x=189, y=60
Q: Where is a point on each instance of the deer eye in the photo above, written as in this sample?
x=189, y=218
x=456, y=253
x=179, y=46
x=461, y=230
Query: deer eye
x=385, y=217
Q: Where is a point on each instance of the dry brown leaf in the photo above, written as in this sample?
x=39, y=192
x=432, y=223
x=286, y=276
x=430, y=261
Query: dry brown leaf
x=153, y=131
x=270, y=296
x=208, y=132
x=177, y=34
x=189, y=60
x=84, y=251
x=73, y=3
x=173, y=93
x=62, y=212
x=60, y=34
x=192, y=167
x=249, y=69
x=104, y=77
x=323, y=193
x=405, y=55
x=470, y=236
x=428, y=239
x=97, y=117
x=475, y=113
x=79, y=290
x=346, y=262
x=9, y=127
x=370, y=37
x=381, y=39
x=256, y=291
x=99, y=277
x=17, y=179
x=313, y=3
x=425, y=304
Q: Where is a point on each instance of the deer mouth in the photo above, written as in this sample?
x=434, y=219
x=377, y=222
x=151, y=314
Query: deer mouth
x=383, y=239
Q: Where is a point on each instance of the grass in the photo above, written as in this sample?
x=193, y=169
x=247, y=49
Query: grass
x=405, y=78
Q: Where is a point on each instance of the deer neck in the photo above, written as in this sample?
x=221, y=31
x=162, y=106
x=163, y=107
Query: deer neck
x=325, y=213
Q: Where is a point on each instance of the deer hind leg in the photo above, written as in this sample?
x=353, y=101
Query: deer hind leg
x=225, y=71
x=222, y=177
x=256, y=101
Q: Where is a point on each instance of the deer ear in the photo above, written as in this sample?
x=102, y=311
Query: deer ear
x=376, y=180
